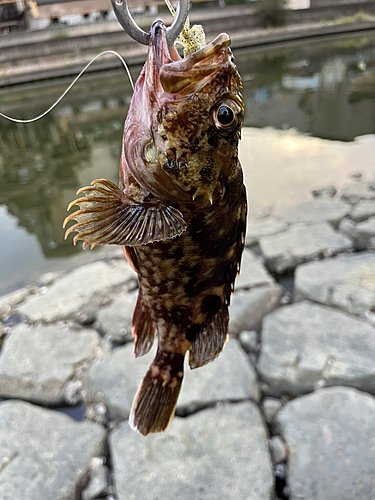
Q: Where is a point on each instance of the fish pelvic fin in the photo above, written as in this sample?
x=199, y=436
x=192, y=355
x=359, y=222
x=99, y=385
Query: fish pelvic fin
x=210, y=340
x=107, y=216
x=155, y=401
x=143, y=328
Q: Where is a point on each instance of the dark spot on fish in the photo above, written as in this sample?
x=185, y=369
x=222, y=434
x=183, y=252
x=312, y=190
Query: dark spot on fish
x=163, y=288
x=221, y=246
x=206, y=171
x=219, y=273
x=177, y=314
x=193, y=332
x=213, y=136
x=189, y=287
x=211, y=304
x=177, y=253
x=195, y=270
x=170, y=361
x=193, y=144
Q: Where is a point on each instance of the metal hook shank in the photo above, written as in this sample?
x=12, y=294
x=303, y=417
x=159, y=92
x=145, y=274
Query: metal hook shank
x=132, y=29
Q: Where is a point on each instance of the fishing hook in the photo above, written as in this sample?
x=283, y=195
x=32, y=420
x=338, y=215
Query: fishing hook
x=134, y=31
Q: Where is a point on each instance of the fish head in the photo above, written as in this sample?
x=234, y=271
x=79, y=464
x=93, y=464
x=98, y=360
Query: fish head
x=183, y=127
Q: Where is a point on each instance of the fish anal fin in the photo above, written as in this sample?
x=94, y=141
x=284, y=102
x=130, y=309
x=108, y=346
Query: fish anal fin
x=106, y=216
x=210, y=340
x=155, y=401
x=143, y=329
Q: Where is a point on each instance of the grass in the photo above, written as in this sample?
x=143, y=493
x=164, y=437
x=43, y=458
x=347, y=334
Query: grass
x=359, y=17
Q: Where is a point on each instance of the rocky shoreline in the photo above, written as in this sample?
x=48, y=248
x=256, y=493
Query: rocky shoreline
x=286, y=412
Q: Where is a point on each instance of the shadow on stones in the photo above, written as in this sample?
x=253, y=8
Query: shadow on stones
x=281, y=487
x=75, y=412
x=187, y=411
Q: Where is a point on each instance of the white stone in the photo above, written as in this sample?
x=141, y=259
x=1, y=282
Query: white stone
x=256, y=228
x=249, y=307
x=321, y=210
x=37, y=363
x=115, y=320
x=76, y=290
x=270, y=407
x=346, y=282
x=306, y=345
x=44, y=454
x=215, y=454
x=362, y=233
x=358, y=191
x=279, y=449
x=301, y=243
x=253, y=273
x=330, y=435
x=363, y=210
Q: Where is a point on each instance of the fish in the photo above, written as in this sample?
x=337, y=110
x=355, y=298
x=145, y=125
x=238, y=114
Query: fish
x=179, y=212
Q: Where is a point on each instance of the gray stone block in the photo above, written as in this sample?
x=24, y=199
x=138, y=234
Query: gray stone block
x=324, y=192
x=249, y=341
x=305, y=346
x=75, y=291
x=358, y=191
x=321, y=210
x=346, y=282
x=215, y=454
x=270, y=407
x=330, y=434
x=253, y=273
x=256, y=228
x=249, y=307
x=301, y=243
x=362, y=233
x=98, y=484
x=115, y=320
x=44, y=454
x=279, y=449
x=230, y=377
x=37, y=363
x=363, y=210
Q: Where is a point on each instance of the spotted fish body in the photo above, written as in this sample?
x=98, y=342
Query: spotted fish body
x=179, y=212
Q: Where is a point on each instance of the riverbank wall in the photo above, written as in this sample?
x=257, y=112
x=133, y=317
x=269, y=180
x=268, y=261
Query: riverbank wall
x=63, y=51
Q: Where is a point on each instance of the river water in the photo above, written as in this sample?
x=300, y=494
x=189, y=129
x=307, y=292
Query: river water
x=324, y=88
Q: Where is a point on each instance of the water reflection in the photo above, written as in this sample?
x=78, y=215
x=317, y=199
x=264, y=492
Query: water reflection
x=323, y=88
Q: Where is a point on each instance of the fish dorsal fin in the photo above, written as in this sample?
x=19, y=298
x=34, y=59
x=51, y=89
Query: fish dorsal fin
x=107, y=216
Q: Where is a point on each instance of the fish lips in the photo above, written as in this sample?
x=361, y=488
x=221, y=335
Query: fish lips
x=178, y=74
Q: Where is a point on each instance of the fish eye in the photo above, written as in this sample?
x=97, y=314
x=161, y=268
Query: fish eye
x=227, y=116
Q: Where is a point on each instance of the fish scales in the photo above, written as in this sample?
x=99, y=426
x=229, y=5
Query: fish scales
x=179, y=212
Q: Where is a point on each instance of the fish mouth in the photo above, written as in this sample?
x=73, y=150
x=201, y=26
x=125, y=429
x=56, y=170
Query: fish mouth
x=177, y=74
x=158, y=41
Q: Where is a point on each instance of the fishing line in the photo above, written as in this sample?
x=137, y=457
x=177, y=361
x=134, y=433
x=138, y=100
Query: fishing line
x=71, y=85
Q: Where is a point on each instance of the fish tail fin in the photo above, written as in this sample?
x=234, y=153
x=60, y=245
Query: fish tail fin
x=155, y=401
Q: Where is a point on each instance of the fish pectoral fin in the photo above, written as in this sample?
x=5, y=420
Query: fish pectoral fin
x=106, y=216
x=210, y=340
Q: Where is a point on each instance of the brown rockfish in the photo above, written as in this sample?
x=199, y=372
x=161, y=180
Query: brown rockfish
x=179, y=212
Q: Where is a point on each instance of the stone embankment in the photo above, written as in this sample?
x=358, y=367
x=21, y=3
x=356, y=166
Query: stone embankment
x=286, y=412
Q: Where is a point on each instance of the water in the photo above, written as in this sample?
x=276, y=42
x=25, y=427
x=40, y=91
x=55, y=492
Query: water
x=323, y=88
